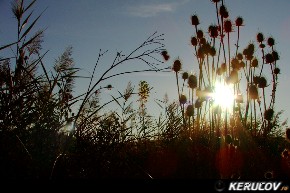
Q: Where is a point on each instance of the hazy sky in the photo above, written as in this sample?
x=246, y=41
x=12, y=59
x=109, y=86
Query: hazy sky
x=90, y=25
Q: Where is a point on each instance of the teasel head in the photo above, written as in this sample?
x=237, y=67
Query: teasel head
x=176, y=65
x=182, y=99
x=202, y=41
x=228, y=27
x=200, y=52
x=269, y=58
x=165, y=55
x=235, y=63
x=215, y=1
x=268, y=114
x=262, y=82
x=242, y=64
x=234, y=77
x=199, y=34
x=253, y=92
x=254, y=63
x=190, y=110
x=213, y=31
x=275, y=55
x=260, y=37
x=277, y=71
x=198, y=103
x=239, y=21
x=194, y=41
x=194, y=20
x=223, y=11
x=270, y=41
x=185, y=75
x=212, y=51
x=256, y=80
x=192, y=81
x=239, y=56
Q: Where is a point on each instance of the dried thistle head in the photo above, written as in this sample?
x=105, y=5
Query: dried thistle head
x=190, y=110
x=213, y=31
x=260, y=37
x=254, y=63
x=192, y=81
x=194, y=41
x=185, y=75
x=165, y=55
x=223, y=11
x=212, y=51
x=235, y=63
x=199, y=34
x=228, y=27
x=269, y=59
x=262, y=82
x=194, y=20
x=176, y=65
x=277, y=71
x=239, y=56
x=270, y=41
x=182, y=99
x=275, y=55
x=239, y=21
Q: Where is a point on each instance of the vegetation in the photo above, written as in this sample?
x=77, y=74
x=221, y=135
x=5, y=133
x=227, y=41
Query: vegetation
x=41, y=136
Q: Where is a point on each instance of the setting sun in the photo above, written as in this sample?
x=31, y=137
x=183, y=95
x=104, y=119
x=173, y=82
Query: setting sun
x=223, y=95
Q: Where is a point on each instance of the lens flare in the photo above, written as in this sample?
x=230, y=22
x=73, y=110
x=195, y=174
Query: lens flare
x=223, y=95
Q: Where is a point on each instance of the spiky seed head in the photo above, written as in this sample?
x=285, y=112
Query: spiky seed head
x=235, y=63
x=260, y=37
x=275, y=55
x=269, y=58
x=185, y=75
x=228, y=27
x=215, y=1
x=277, y=71
x=271, y=41
x=199, y=34
x=256, y=80
x=192, y=81
x=239, y=56
x=262, y=46
x=190, y=110
x=212, y=51
x=202, y=41
x=176, y=65
x=182, y=99
x=213, y=31
x=268, y=114
x=254, y=63
x=194, y=41
x=223, y=11
x=165, y=55
x=198, y=103
x=194, y=20
x=200, y=52
x=239, y=21
x=242, y=64
x=262, y=82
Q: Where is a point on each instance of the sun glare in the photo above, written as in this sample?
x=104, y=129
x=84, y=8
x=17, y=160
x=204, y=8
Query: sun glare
x=223, y=95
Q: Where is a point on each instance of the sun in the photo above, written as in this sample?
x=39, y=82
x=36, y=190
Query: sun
x=223, y=95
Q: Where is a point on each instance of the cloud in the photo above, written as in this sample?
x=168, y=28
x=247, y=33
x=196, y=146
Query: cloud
x=151, y=10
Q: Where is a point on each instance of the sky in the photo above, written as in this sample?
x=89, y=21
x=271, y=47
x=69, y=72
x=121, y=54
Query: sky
x=114, y=25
